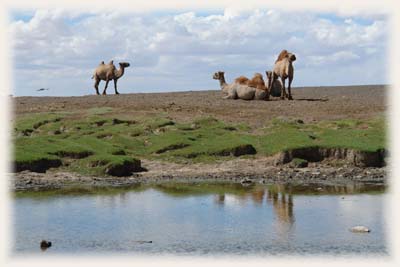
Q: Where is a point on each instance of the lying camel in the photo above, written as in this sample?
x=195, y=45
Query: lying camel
x=276, y=88
x=283, y=68
x=257, y=82
x=108, y=72
x=236, y=90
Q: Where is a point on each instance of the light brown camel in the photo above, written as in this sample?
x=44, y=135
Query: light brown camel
x=241, y=91
x=257, y=81
x=283, y=68
x=108, y=72
x=234, y=90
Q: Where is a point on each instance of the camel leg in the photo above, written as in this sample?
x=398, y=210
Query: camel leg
x=283, y=93
x=105, y=88
x=271, y=81
x=289, y=88
x=267, y=94
x=96, y=85
x=230, y=96
x=115, y=87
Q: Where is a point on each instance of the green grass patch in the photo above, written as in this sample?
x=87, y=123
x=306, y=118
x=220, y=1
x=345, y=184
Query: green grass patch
x=81, y=140
x=28, y=123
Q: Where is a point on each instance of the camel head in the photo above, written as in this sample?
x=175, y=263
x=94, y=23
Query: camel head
x=218, y=75
x=124, y=64
x=291, y=57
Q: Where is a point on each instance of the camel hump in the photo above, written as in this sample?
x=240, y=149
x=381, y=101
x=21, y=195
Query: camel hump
x=241, y=80
x=102, y=63
x=111, y=62
x=284, y=53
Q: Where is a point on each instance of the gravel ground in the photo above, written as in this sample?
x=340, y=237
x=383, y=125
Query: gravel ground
x=310, y=104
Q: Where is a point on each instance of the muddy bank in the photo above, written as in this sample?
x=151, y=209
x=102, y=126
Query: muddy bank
x=299, y=157
x=350, y=156
x=244, y=171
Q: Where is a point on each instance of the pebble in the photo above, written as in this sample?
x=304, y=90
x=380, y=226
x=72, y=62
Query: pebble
x=45, y=244
x=246, y=182
x=360, y=229
x=144, y=242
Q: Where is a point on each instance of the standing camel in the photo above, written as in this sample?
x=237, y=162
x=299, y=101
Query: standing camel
x=283, y=68
x=108, y=72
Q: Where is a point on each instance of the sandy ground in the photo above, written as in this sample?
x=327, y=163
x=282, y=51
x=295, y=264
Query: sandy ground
x=310, y=104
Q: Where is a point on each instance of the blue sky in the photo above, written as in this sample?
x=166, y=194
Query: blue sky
x=180, y=50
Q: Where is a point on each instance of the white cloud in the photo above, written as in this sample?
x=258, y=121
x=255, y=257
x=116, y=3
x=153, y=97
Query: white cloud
x=180, y=51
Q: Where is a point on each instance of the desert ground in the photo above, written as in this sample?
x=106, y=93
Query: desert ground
x=310, y=104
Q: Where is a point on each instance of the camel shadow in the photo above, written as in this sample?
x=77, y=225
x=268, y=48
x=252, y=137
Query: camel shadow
x=311, y=99
x=300, y=99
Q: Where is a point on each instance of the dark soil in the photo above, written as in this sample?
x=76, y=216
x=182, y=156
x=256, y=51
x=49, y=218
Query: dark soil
x=309, y=104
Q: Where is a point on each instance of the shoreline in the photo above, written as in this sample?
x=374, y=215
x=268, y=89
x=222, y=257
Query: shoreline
x=244, y=171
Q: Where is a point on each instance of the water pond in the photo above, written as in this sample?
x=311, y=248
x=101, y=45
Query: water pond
x=203, y=219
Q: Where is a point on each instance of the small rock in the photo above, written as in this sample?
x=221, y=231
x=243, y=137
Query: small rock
x=360, y=229
x=144, y=241
x=246, y=182
x=298, y=163
x=45, y=244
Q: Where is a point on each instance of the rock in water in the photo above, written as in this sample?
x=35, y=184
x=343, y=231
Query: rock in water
x=45, y=244
x=246, y=182
x=144, y=242
x=360, y=229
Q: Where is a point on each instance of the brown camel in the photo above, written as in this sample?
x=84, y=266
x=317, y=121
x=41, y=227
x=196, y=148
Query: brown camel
x=257, y=81
x=283, y=68
x=108, y=72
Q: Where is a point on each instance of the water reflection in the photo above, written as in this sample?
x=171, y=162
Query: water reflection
x=280, y=198
x=219, y=199
x=199, y=218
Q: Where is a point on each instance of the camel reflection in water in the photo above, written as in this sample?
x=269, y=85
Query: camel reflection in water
x=280, y=198
x=282, y=204
x=277, y=196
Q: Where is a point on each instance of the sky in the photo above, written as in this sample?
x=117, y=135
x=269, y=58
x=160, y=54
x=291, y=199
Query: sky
x=180, y=50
